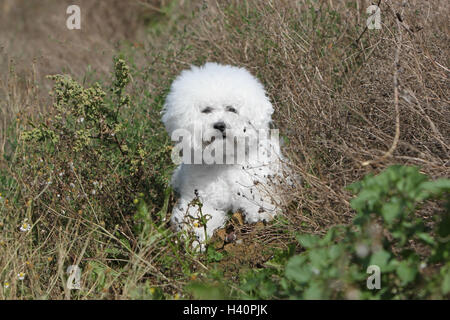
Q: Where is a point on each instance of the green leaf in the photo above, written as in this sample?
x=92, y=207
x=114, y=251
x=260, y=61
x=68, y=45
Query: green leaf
x=298, y=270
x=436, y=187
x=331, y=235
x=366, y=200
x=125, y=242
x=446, y=283
x=427, y=238
x=214, y=255
x=335, y=251
x=319, y=258
x=206, y=291
x=381, y=259
x=308, y=240
x=391, y=211
x=406, y=272
x=314, y=292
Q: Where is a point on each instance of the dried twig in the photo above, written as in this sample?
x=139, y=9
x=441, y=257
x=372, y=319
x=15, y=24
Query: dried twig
x=397, y=111
x=366, y=27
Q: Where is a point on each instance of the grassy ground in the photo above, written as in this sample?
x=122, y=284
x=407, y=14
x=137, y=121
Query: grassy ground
x=92, y=181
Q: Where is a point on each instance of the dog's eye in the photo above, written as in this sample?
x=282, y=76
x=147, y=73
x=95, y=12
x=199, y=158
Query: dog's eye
x=231, y=109
x=207, y=110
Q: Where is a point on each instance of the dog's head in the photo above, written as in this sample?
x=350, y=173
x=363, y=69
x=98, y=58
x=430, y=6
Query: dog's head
x=216, y=104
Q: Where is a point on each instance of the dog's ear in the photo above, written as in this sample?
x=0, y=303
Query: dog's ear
x=180, y=108
x=177, y=113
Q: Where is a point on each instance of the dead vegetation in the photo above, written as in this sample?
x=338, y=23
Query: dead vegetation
x=35, y=42
x=349, y=100
x=347, y=107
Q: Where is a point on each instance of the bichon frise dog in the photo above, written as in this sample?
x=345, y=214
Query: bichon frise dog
x=229, y=161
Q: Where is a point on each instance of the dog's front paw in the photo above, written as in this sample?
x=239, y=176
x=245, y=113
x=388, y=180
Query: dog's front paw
x=197, y=222
x=253, y=216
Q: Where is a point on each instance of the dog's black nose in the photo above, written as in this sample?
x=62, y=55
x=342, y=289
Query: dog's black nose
x=219, y=126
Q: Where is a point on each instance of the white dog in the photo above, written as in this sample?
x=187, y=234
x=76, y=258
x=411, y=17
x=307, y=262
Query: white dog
x=225, y=113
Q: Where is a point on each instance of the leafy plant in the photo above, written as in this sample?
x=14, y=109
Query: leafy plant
x=385, y=233
x=76, y=174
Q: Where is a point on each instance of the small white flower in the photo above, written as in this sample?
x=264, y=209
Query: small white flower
x=61, y=174
x=25, y=226
x=422, y=265
x=81, y=120
x=21, y=275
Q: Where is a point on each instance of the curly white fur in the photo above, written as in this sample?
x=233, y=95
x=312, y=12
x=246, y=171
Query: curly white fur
x=229, y=98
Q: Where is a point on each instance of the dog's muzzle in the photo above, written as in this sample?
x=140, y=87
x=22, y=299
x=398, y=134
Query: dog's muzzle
x=221, y=127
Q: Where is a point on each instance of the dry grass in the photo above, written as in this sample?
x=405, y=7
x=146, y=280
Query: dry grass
x=36, y=32
x=332, y=84
x=35, y=42
x=348, y=101
x=335, y=97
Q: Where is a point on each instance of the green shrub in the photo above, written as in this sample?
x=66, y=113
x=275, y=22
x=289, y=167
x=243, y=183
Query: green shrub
x=98, y=141
x=91, y=179
x=414, y=259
